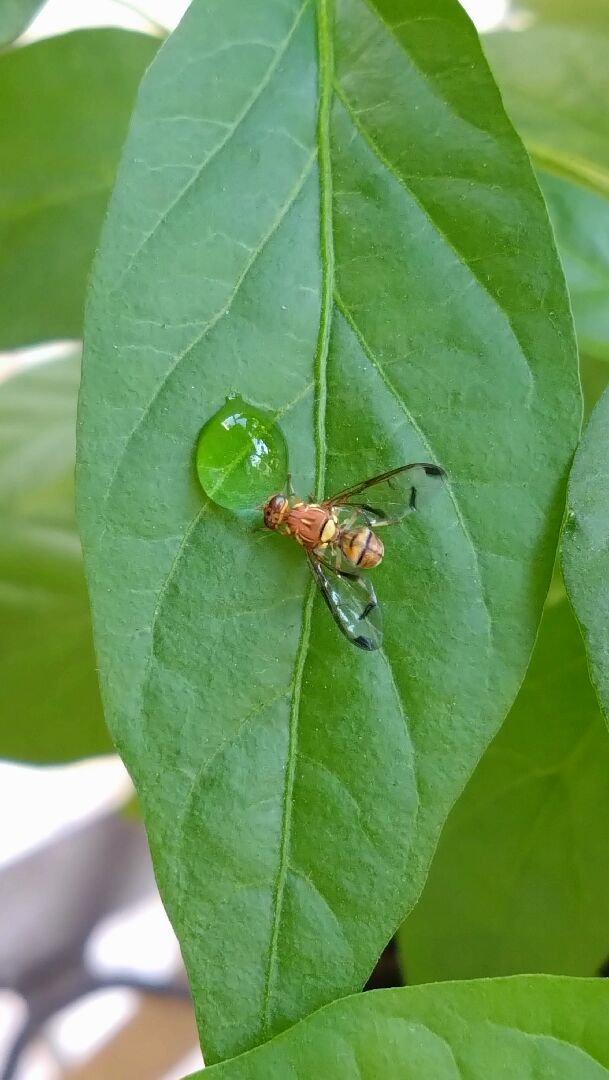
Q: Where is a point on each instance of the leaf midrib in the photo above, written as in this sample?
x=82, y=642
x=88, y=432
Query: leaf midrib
x=330, y=298
x=326, y=78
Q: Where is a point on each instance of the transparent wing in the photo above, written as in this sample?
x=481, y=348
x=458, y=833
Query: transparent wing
x=353, y=603
x=397, y=493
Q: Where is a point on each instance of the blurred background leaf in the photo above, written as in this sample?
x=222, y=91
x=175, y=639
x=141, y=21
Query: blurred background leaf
x=15, y=16
x=51, y=709
x=65, y=105
x=585, y=550
x=520, y=878
x=563, y=12
x=581, y=222
x=554, y=79
x=594, y=376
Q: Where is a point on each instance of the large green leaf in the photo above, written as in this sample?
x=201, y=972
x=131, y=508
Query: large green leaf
x=15, y=15
x=50, y=700
x=531, y=1028
x=321, y=209
x=585, y=551
x=554, y=78
x=64, y=108
x=520, y=878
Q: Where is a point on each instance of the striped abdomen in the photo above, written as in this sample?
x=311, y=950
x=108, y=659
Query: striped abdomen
x=361, y=547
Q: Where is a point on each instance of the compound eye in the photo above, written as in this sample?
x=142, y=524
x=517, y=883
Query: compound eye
x=273, y=510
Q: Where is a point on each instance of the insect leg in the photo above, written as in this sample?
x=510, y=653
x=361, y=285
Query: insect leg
x=378, y=523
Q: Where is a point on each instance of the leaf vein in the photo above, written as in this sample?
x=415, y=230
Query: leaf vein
x=206, y=768
x=320, y=375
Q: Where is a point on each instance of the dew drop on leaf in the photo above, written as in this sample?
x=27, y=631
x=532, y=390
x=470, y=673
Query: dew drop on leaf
x=242, y=456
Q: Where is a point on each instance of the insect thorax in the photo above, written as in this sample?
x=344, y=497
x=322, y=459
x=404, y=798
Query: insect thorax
x=312, y=525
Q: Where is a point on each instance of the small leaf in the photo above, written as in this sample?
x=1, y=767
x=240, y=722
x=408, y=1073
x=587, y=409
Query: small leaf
x=520, y=879
x=64, y=107
x=585, y=548
x=529, y=1028
x=50, y=699
x=323, y=208
x=15, y=17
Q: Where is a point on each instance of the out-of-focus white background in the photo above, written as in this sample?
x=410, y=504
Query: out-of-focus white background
x=62, y=15
x=42, y=805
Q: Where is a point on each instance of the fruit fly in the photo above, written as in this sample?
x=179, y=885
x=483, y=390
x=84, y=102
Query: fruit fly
x=339, y=539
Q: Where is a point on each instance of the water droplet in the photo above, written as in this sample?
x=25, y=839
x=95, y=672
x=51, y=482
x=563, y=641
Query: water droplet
x=242, y=456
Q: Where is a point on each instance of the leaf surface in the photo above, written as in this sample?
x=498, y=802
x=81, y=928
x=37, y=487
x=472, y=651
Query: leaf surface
x=51, y=710
x=533, y=1028
x=64, y=107
x=321, y=210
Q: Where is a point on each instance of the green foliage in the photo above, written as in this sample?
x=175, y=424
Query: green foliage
x=294, y=790
x=529, y=1028
x=15, y=16
x=64, y=108
x=51, y=710
x=503, y=896
x=554, y=88
x=588, y=14
x=554, y=79
x=585, y=551
x=322, y=207
x=581, y=222
x=520, y=878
